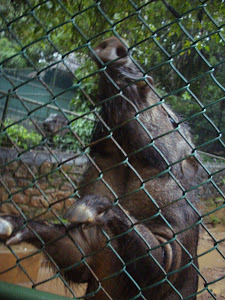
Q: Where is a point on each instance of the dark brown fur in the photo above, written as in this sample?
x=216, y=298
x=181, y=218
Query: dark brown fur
x=146, y=167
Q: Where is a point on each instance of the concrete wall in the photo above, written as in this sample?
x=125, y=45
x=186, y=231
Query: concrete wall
x=40, y=182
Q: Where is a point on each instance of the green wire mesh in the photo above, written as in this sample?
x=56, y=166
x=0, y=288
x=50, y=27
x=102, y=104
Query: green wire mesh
x=46, y=69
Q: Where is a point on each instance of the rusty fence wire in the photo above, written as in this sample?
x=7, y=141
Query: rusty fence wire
x=48, y=111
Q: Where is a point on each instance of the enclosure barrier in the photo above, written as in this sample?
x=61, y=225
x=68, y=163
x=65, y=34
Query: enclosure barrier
x=46, y=69
x=10, y=291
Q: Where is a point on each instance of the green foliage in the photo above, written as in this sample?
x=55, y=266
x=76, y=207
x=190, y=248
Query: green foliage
x=20, y=136
x=214, y=205
x=9, y=49
x=82, y=128
x=190, y=41
x=214, y=220
x=25, y=139
x=88, y=86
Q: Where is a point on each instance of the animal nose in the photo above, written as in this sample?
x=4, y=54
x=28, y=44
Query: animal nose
x=112, y=49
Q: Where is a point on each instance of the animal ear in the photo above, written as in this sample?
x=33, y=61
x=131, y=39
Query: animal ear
x=189, y=167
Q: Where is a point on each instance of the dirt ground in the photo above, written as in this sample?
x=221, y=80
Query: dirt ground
x=212, y=267
x=212, y=264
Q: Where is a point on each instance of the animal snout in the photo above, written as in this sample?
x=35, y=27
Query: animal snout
x=112, y=49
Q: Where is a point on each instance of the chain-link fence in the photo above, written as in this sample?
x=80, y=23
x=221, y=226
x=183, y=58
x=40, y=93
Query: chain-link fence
x=88, y=91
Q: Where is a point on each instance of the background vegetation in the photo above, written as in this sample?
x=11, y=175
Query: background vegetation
x=166, y=38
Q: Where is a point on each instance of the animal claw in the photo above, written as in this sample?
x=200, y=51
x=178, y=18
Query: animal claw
x=6, y=228
x=89, y=211
x=16, y=239
x=81, y=213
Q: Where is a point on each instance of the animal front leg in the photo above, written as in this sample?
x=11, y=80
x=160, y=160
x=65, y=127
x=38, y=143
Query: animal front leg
x=102, y=246
x=16, y=230
x=136, y=245
x=66, y=246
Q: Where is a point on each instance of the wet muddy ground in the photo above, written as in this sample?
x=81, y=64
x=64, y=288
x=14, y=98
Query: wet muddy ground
x=212, y=267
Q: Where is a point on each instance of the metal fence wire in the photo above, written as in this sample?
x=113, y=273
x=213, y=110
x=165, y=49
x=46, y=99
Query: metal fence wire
x=89, y=87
